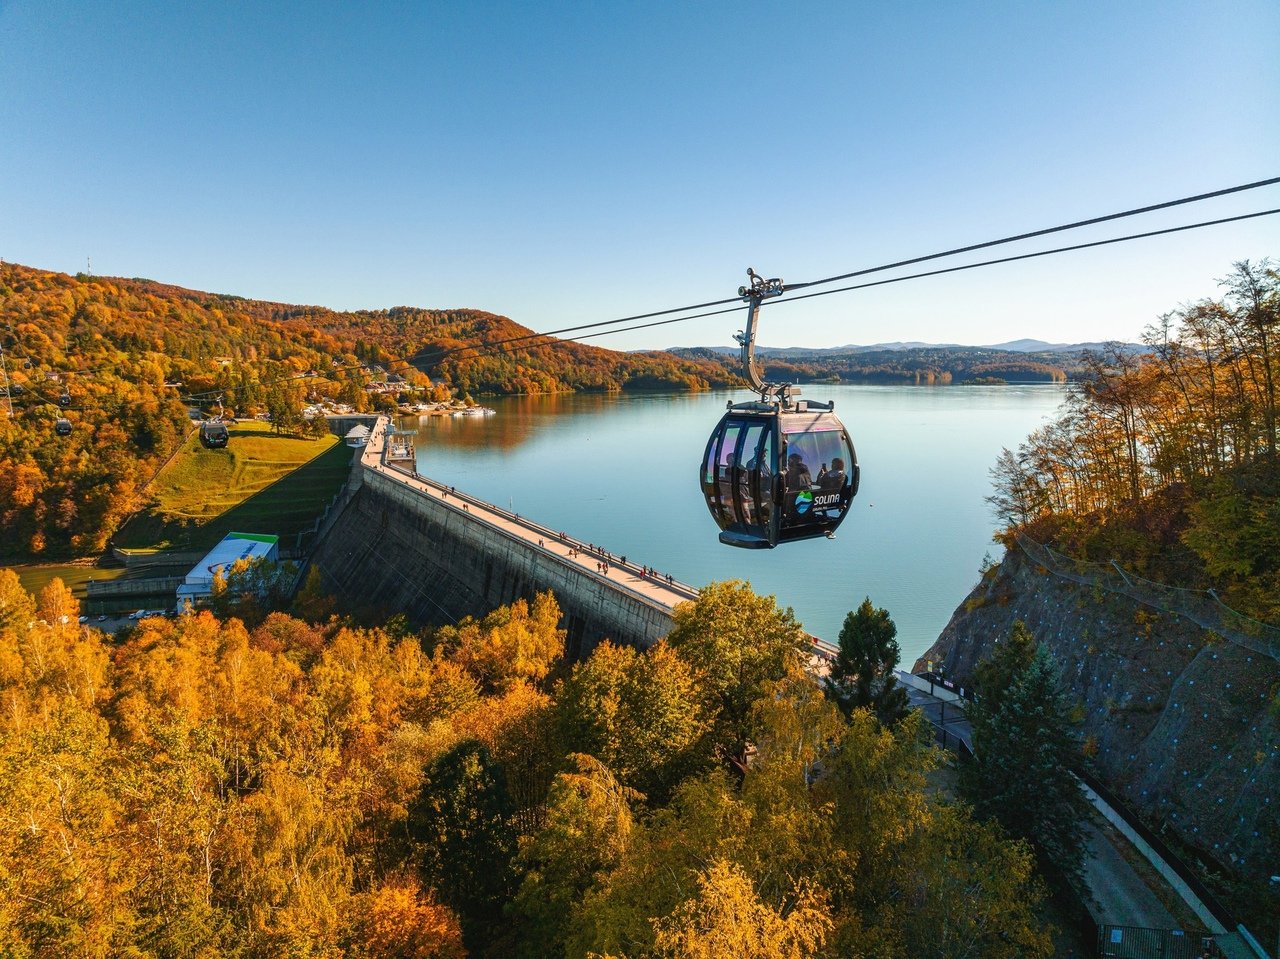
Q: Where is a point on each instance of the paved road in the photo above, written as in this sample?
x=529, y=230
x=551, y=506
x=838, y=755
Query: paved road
x=1122, y=897
x=942, y=715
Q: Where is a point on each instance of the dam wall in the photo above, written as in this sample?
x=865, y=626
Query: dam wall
x=402, y=544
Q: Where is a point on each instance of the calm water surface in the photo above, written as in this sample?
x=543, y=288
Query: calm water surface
x=622, y=472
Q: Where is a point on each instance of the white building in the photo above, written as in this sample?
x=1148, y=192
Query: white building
x=198, y=584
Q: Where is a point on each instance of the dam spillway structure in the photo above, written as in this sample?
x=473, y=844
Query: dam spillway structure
x=406, y=544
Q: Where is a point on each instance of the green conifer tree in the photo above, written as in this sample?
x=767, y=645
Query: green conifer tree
x=1025, y=752
x=862, y=674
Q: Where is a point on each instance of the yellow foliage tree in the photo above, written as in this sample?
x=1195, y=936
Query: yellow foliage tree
x=512, y=644
x=727, y=919
x=399, y=920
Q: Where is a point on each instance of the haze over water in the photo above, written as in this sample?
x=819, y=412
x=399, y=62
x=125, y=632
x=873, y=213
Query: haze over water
x=621, y=471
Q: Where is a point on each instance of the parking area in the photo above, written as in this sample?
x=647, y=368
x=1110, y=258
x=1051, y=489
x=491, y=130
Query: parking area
x=114, y=622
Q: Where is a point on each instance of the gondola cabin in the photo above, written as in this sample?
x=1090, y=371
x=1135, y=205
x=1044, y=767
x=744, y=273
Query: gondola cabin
x=62, y=427
x=775, y=473
x=779, y=468
x=214, y=434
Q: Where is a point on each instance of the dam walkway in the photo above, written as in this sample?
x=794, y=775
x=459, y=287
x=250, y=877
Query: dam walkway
x=619, y=573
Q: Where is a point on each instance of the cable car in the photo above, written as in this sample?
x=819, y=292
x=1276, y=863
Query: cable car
x=64, y=400
x=62, y=427
x=213, y=434
x=779, y=468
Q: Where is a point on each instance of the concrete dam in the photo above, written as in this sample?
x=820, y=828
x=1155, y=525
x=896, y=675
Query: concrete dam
x=406, y=544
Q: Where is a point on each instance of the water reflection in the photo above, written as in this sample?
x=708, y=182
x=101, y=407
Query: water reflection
x=517, y=420
x=623, y=470
x=469, y=432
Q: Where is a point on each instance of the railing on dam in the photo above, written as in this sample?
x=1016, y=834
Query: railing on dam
x=638, y=582
x=634, y=579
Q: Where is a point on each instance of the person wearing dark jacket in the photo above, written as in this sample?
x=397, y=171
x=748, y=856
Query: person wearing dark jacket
x=797, y=476
x=834, y=478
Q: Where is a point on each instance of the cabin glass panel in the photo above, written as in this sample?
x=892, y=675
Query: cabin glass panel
x=816, y=471
x=737, y=474
x=726, y=472
x=717, y=480
x=763, y=471
x=746, y=475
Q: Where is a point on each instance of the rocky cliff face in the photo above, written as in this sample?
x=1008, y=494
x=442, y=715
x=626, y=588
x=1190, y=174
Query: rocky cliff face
x=1182, y=723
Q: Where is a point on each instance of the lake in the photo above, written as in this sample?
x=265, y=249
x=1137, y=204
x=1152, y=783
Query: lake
x=621, y=471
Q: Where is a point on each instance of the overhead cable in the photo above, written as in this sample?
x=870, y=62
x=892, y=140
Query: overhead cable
x=910, y=276
x=436, y=355
x=1053, y=229
x=490, y=347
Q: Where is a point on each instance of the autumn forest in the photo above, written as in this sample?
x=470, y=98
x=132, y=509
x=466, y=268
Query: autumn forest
x=269, y=777
x=1167, y=461
x=129, y=356
x=302, y=786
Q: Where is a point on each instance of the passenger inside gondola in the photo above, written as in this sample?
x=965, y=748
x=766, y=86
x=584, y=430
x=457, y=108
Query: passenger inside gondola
x=798, y=475
x=834, y=478
x=809, y=501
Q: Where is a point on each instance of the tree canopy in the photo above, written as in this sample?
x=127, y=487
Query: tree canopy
x=1022, y=775
x=196, y=787
x=862, y=674
x=1167, y=460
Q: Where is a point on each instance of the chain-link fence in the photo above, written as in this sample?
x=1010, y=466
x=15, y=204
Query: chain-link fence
x=1201, y=606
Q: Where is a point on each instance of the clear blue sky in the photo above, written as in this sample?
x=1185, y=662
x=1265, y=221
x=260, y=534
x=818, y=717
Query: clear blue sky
x=565, y=163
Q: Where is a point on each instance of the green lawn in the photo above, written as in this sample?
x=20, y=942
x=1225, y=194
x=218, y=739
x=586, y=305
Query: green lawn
x=74, y=575
x=260, y=483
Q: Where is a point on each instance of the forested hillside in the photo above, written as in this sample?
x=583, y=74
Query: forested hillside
x=436, y=341
x=124, y=353
x=203, y=787
x=915, y=365
x=1168, y=461
x=127, y=353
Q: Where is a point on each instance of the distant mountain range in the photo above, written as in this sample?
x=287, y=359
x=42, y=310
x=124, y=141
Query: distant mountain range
x=1013, y=346
x=1018, y=361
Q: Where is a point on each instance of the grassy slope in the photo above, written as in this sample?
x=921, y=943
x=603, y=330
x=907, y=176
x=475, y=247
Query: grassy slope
x=260, y=483
x=74, y=575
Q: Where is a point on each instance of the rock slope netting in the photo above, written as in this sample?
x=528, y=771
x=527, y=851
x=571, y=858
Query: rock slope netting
x=1179, y=721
